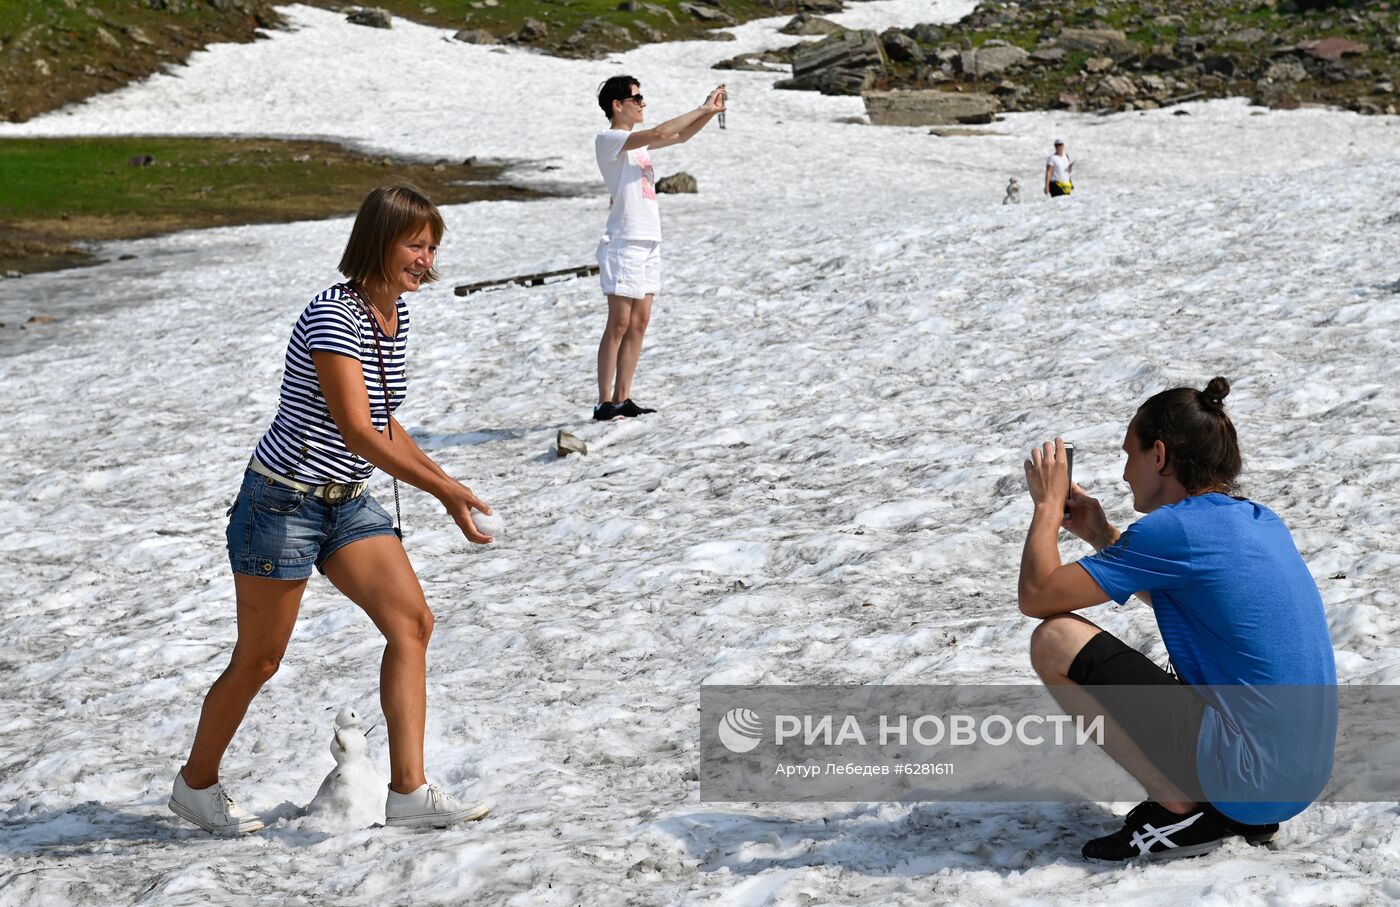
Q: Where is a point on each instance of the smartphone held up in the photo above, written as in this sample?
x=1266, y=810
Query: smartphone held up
x=1069, y=468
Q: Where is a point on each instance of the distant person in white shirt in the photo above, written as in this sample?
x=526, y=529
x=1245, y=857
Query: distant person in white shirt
x=629, y=256
x=1058, y=167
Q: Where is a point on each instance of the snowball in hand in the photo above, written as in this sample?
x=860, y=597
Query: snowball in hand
x=490, y=525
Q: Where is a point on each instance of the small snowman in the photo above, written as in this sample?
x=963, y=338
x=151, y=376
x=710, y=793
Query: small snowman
x=352, y=796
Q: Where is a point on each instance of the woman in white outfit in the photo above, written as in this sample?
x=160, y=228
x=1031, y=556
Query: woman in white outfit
x=629, y=257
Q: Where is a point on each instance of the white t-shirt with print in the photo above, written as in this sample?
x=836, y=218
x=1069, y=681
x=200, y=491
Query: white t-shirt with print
x=1059, y=167
x=634, y=214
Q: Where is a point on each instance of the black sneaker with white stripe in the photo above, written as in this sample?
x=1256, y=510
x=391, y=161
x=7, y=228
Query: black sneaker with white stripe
x=1152, y=831
x=606, y=412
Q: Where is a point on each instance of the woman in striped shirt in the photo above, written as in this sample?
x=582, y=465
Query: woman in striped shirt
x=303, y=504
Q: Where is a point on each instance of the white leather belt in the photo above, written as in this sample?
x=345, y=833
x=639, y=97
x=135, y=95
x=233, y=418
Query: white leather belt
x=331, y=492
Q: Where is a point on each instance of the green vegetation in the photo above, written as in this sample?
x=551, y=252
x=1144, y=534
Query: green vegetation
x=563, y=17
x=59, y=192
x=53, y=52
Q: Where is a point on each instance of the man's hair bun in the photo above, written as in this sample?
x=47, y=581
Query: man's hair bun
x=1216, y=391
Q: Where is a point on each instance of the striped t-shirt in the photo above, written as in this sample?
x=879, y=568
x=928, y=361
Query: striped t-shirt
x=303, y=442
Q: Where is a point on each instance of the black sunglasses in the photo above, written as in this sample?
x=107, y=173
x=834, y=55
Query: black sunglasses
x=633, y=97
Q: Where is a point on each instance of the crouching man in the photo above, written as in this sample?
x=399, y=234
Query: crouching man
x=1243, y=737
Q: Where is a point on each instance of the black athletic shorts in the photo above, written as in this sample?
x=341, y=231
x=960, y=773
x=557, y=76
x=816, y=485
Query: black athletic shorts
x=1161, y=714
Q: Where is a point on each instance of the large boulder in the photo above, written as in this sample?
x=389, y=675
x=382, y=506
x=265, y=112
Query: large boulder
x=1116, y=87
x=1161, y=62
x=707, y=13
x=678, y=182
x=900, y=47
x=833, y=81
x=1107, y=42
x=1247, y=36
x=476, y=36
x=807, y=25
x=641, y=6
x=926, y=33
x=1049, y=55
x=532, y=30
x=1331, y=49
x=989, y=61
x=1286, y=70
x=847, y=50
x=596, y=38
x=1221, y=65
x=369, y=16
x=758, y=61
x=929, y=107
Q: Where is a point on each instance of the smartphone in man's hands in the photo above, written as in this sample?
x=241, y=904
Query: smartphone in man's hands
x=1069, y=468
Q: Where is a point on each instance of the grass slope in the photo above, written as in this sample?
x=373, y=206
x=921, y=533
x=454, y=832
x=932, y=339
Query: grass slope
x=62, y=192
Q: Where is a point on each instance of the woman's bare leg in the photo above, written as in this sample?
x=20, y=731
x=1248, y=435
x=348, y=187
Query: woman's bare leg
x=619, y=320
x=267, y=613
x=375, y=574
x=630, y=349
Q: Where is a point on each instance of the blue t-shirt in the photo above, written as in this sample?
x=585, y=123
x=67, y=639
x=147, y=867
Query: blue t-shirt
x=1239, y=612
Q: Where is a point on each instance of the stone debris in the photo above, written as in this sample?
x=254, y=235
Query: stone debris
x=566, y=443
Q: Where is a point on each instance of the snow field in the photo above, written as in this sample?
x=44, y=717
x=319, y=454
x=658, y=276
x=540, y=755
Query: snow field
x=854, y=347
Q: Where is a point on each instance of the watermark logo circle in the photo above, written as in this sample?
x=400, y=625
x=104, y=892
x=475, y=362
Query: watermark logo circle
x=740, y=730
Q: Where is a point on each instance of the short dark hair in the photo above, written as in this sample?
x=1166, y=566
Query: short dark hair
x=1202, y=449
x=388, y=214
x=618, y=88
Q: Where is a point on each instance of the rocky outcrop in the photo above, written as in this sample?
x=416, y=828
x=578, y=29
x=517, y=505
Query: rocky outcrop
x=845, y=63
x=847, y=50
x=1040, y=54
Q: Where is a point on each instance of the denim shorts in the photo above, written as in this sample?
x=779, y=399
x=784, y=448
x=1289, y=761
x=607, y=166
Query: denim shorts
x=280, y=533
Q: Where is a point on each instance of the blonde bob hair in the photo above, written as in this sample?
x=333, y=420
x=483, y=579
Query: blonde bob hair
x=388, y=215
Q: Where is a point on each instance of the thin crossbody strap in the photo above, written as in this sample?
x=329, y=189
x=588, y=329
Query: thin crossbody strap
x=384, y=386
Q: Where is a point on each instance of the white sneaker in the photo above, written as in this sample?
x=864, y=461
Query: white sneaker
x=429, y=807
x=212, y=809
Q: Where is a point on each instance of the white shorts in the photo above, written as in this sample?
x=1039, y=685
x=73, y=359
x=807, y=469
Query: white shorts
x=629, y=268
